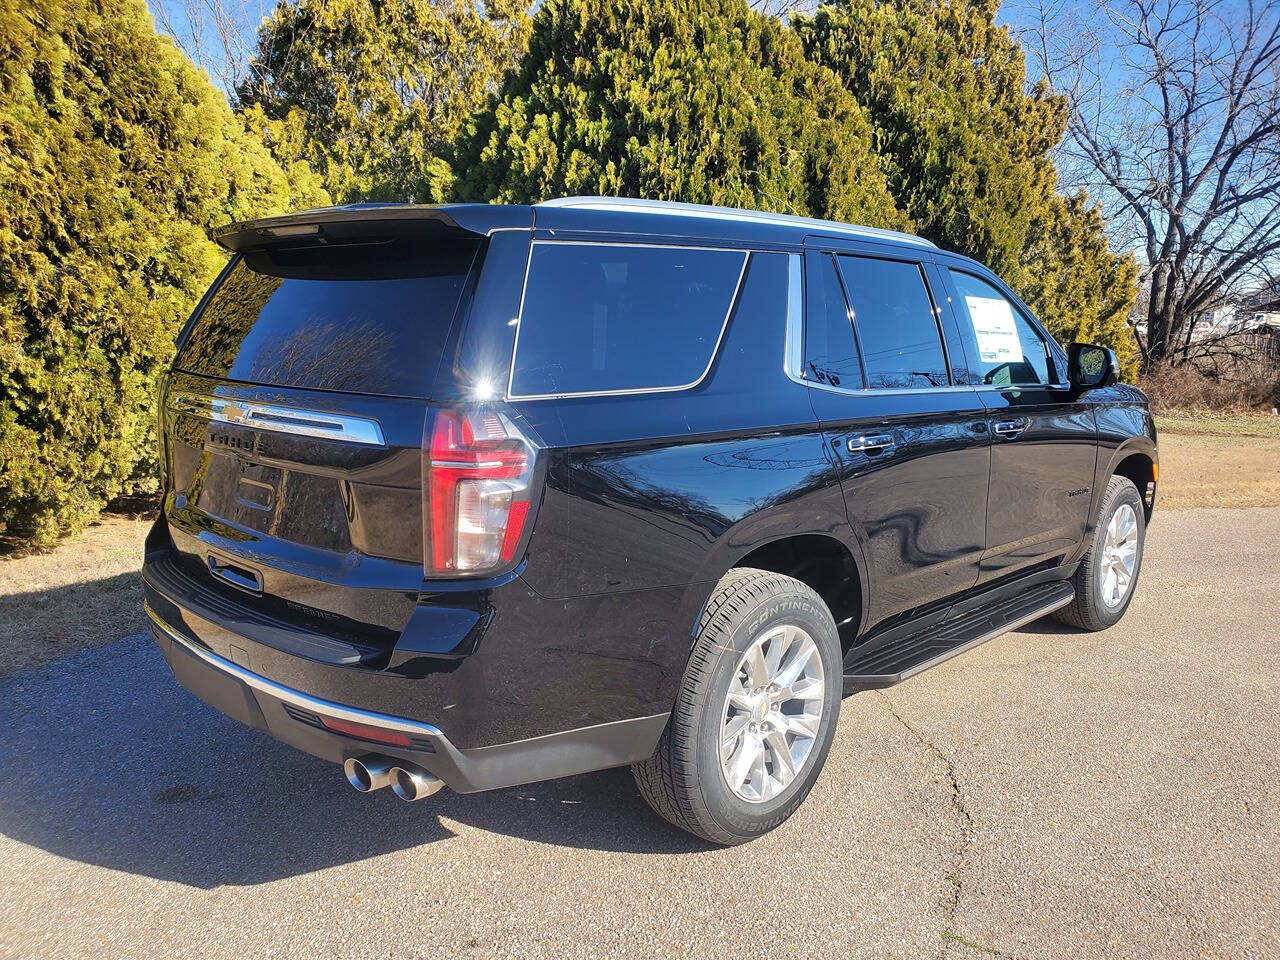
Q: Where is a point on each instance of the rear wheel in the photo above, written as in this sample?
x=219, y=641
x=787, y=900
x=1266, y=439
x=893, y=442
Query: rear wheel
x=1108, y=573
x=756, y=711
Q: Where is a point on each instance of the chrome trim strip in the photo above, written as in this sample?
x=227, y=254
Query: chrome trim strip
x=793, y=359
x=296, y=697
x=477, y=753
x=707, y=212
x=629, y=391
x=904, y=391
x=281, y=419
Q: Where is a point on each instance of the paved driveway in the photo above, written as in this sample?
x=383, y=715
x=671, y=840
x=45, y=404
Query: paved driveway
x=1049, y=794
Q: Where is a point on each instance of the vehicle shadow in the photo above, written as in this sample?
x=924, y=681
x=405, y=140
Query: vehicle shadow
x=1047, y=626
x=108, y=761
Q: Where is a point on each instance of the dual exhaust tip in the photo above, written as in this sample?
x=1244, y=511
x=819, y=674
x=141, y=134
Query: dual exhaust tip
x=406, y=781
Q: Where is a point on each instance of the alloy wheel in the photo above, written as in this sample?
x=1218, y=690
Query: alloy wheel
x=772, y=713
x=1119, y=555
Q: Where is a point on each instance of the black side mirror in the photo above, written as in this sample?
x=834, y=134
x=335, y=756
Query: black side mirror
x=1090, y=366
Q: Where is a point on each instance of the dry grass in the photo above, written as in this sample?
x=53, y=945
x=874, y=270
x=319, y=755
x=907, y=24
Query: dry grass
x=1209, y=460
x=85, y=591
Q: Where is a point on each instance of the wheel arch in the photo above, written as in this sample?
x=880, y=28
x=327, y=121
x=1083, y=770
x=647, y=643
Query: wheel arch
x=831, y=566
x=1137, y=463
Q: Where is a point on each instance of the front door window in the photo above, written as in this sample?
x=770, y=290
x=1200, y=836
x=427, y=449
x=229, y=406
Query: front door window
x=1004, y=348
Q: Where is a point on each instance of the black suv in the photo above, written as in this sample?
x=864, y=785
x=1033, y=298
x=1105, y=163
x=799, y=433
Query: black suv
x=480, y=495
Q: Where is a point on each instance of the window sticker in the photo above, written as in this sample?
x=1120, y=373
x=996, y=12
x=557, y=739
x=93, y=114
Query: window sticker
x=996, y=330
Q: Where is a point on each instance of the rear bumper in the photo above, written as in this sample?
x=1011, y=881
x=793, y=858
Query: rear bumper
x=297, y=719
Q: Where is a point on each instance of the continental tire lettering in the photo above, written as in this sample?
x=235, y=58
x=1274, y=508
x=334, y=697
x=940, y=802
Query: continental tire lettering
x=788, y=605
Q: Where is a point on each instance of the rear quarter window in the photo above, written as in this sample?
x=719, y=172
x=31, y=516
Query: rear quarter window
x=367, y=318
x=600, y=318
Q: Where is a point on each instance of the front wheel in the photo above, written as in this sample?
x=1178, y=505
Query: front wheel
x=756, y=711
x=1108, y=573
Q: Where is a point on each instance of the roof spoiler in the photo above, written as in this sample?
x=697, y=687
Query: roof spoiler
x=361, y=221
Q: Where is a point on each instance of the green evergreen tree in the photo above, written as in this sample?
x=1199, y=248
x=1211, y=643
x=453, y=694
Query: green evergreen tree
x=968, y=152
x=1078, y=287
x=369, y=92
x=116, y=156
x=706, y=101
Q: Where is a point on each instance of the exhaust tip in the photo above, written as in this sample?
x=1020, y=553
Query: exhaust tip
x=367, y=774
x=411, y=783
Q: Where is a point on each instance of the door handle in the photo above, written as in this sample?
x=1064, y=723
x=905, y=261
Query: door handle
x=1011, y=428
x=874, y=444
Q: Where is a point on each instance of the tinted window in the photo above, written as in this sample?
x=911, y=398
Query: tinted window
x=600, y=317
x=896, y=326
x=1007, y=348
x=830, y=353
x=370, y=318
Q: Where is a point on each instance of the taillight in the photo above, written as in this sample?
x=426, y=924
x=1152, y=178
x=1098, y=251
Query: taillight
x=477, y=484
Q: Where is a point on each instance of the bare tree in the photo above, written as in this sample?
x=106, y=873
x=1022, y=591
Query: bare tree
x=783, y=8
x=219, y=35
x=1175, y=125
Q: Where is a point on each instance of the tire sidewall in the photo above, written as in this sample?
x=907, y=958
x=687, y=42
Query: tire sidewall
x=793, y=607
x=1124, y=493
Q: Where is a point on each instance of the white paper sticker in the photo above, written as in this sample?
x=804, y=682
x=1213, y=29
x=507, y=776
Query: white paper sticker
x=996, y=330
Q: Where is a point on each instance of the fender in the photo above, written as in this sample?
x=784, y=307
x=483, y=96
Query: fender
x=761, y=529
x=1125, y=427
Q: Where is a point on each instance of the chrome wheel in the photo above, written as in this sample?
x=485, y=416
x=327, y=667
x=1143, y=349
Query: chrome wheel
x=1119, y=555
x=772, y=713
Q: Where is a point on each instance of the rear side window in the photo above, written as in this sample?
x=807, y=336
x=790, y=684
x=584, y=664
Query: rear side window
x=606, y=317
x=366, y=318
x=1009, y=350
x=897, y=329
x=830, y=352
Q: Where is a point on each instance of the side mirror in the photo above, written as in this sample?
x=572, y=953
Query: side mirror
x=1090, y=366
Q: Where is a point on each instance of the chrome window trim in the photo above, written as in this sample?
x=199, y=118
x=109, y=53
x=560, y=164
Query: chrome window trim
x=277, y=418
x=289, y=695
x=793, y=354
x=793, y=358
x=626, y=391
x=708, y=212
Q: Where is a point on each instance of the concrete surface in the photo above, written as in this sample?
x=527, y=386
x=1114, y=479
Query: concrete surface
x=1050, y=794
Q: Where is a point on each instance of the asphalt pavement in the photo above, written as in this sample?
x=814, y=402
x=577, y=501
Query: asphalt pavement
x=1049, y=794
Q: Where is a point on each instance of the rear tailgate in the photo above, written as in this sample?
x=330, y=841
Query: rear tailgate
x=293, y=423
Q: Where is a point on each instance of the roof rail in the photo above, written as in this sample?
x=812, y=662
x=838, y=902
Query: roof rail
x=706, y=211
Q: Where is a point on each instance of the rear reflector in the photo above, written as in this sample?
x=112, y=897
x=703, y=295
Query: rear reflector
x=365, y=732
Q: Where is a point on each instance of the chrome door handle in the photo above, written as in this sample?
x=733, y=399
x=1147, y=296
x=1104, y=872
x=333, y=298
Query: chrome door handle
x=878, y=444
x=1011, y=428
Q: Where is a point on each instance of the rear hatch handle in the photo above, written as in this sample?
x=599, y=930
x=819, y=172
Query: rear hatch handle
x=243, y=578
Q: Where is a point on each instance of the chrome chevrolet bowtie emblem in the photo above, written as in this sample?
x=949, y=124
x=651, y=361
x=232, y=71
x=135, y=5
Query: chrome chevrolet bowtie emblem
x=234, y=413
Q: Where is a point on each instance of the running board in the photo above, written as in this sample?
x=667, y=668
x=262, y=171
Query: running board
x=928, y=648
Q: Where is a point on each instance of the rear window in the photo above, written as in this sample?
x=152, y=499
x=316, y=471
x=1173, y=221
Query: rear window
x=901, y=345
x=830, y=353
x=606, y=317
x=367, y=318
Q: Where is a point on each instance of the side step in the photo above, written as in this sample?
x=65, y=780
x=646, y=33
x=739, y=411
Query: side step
x=913, y=654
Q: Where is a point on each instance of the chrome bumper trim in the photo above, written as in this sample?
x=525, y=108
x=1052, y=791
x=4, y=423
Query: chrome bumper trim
x=307, y=702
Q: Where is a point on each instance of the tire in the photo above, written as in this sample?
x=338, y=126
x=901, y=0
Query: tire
x=684, y=780
x=1095, y=606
